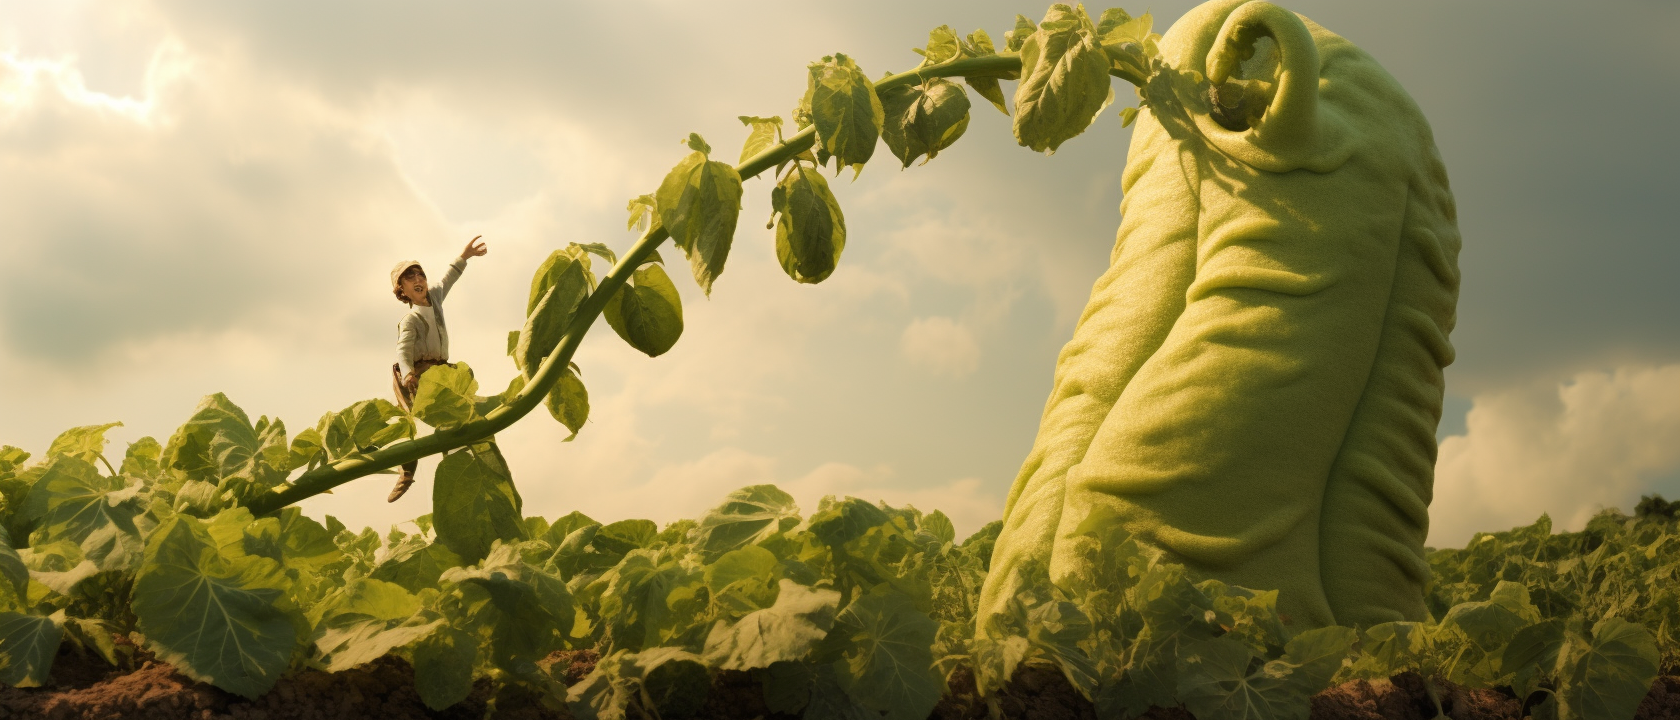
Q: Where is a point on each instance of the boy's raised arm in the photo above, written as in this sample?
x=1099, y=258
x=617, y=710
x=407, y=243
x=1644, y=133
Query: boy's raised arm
x=459, y=265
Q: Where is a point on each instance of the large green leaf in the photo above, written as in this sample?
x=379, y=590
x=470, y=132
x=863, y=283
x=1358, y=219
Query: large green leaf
x=979, y=44
x=810, y=229
x=842, y=104
x=647, y=311
x=552, y=314
x=443, y=667
x=73, y=502
x=645, y=603
x=1215, y=682
x=763, y=133
x=568, y=402
x=474, y=502
x=142, y=459
x=28, y=645
x=786, y=631
x=1492, y=623
x=1532, y=655
x=674, y=681
x=529, y=613
x=747, y=516
x=366, y=619
x=218, y=437
x=699, y=202
x=216, y=617
x=361, y=427
x=830, y=701
x=559, y=263
x=1605, y=677
x=11, y=458
x=664, y=682
x=923, y=119
x=1057, y=628
x=86, y=442
x=888, y=664
x=1064, y=80
x=303, y=544
x=415, y=564
x=1392, y=647
x=937, y=526
x=446, y=396
x=13, y=573
x=845, y=521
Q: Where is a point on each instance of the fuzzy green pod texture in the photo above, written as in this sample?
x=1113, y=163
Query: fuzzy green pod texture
x=1255, y=384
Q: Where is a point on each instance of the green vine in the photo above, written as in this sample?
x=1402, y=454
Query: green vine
x=1063, y=64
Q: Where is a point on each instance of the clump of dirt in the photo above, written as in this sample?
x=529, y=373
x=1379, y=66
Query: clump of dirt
x=1663, y=701
x=1037, y=692
x=575, y=664
x=83, y=686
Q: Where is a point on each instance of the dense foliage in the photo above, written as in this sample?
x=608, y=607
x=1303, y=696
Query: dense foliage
x=855, y=610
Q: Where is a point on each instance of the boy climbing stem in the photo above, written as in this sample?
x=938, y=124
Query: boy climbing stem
x=422, y=336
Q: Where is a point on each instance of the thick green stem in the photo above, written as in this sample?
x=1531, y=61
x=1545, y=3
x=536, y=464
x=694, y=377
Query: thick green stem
x=327, y=477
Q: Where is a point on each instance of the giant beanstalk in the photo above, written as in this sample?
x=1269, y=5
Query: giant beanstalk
x=1255, y=384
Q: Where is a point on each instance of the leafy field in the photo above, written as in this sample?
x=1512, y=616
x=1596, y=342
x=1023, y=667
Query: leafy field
x=186, y=557
x=853, y=610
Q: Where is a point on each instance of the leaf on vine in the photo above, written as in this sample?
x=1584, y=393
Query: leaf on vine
x=923, y=119
x=568, y=402
x=844, y=107
x=763, y=134
x=979, y=44
x=643, y=213
x=549, y=318
x=446, y=396
x=699, y=202
x=1128, y=43
x=1064, y=80
x=810, y=230
x=647, y=311
x=474, y=502
x=942, y=45
x=597, y=249
x=1017, y=37
x=556, y=265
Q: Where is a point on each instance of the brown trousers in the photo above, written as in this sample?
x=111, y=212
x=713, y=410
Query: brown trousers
x=405, y=394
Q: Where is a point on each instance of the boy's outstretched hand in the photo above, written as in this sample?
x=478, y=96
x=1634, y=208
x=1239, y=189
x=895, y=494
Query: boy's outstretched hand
x=474, y=248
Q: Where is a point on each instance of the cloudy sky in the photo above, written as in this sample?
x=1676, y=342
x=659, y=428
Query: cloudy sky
x=201, y=196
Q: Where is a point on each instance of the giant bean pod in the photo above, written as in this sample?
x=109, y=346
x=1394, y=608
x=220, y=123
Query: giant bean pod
x=1255, y=384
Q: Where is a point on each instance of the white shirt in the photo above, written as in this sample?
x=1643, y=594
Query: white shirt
x=422, y=332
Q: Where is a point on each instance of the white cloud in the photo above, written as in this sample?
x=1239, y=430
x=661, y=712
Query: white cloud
x=1599, y=440
x=941, y=346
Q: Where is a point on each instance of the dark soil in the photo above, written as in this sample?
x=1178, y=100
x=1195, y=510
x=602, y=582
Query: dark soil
x=83, y=686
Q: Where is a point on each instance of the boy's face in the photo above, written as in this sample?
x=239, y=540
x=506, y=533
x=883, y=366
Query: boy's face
x=413, y=284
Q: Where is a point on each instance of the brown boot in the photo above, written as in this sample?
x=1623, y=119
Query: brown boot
x=403, y=481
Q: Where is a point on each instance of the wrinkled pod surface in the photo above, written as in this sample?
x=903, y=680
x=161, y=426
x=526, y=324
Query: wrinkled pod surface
x=1255, y=384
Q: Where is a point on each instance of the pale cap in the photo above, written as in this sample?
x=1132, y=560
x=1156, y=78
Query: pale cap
x=402, y=267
